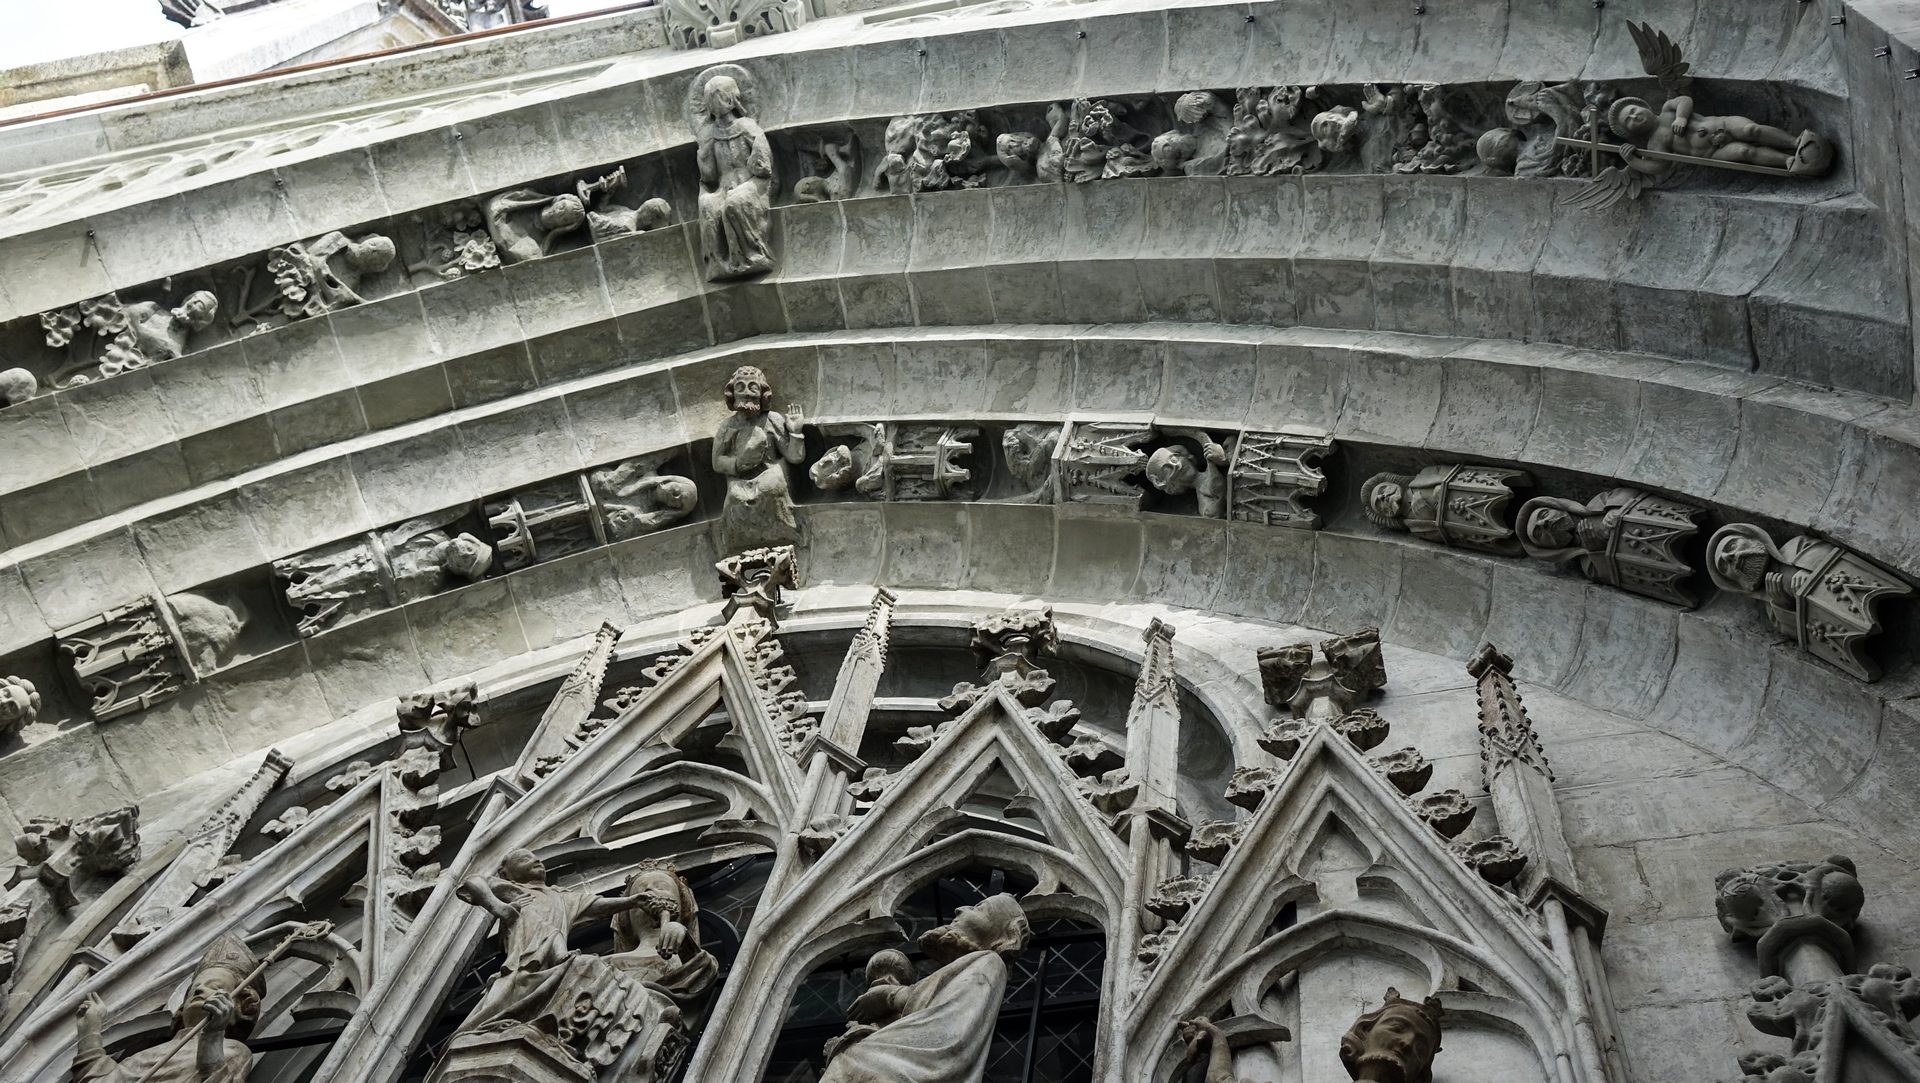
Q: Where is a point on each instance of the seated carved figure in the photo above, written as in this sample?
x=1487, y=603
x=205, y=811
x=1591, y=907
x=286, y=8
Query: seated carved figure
x=938, y=1029
x=1176, y=471
x=736, y=176
x=220, y=1007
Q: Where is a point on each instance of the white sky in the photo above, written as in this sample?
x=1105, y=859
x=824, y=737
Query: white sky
x=37, y=30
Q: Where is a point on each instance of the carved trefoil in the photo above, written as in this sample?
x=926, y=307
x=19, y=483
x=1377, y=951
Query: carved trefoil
x=1274, y=473
x=1623, y=537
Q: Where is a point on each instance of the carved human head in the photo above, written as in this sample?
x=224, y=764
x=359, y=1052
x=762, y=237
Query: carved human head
x=1499, y=150
x=1172, y=470
x=901, y=134
x=1195, y=106
x=996, y=924
x=722, y=96
x=224, y=970
x=564, y=213
x=372, y=255
x=1750, y=902
x=467, y=557
x=748, y=391
x=676, y=492
x=17, y=386
x=834, y=472
x=1334, y=129
x=523, y=867
x=1631, y=118
x=1384, y=498
x=666, y=896
x=1394, y=1043
x=1547, y=527
x=1017, y=150
x=889, y=966
x=19, y=703
x=652, y=214
x=198, y=309
x=1173, y=150
x=1739, y=560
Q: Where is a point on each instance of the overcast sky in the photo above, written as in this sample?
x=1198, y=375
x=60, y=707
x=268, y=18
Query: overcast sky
x=39, y=30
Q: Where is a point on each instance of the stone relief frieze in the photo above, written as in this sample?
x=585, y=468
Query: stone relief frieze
x=1824, y=597
x=131, y=657
x=106, y=336
x=304, y=280
x=899, y=460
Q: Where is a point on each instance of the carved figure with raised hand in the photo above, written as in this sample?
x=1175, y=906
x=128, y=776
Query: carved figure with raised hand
x=527, y=224
x=939, y=1029
x=1197, y=145
x=1264, y=140
x=1825, y=597
x=220, y=1008
x=751, y=449
x=736, y=173
x=1101, y=145
x=1176, y=471
x=605, y=218
x=1657, y=138
x=1394, y=1043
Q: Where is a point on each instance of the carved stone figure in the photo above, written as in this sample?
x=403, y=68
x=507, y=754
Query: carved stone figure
x=1274, y=473
x=1825, y=597
x=1655, y=139
x=1336, y=129
x=1176, y=471
x=1436, y=144
x=527, y=224
x=1623, y=537
x=1353, y=670
x=889, y=973
x=19, y=705
x=1212, y=1044
x=859, y=466
x=378, y=570
x=899, y=460
x=606, y=219
x=634, y=500
x=458, y=245
x=1499, y=151
x=934, y=152
x=1777, y=904
x=1100, y=145
x=1539, y=113
x=220, y=1008
x=1029, y=448
x=1265, y=140
x=751, y=449
x=835, y=173
x=736, y=173
x=1197, y=145
x=317, y=278
x=209, y=626
x=585, y=1007
x=1463, y=506
x=941, y=1026
x=17, y=386
x=1098, y=460
x=126, y=335
x=1394, y=1043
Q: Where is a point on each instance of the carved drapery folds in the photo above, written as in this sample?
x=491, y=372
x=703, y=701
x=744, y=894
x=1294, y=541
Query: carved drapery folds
x=1824, y=597
x=1463, y=506
x=1623, y=537
x=736, y=173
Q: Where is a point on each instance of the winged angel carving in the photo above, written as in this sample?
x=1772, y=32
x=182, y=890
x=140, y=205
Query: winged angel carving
x=1653, y=140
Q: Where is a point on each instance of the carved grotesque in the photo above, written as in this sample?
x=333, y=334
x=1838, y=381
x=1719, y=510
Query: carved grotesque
x=751, y=449
x=1783, y=902
x=1029, y=449
x=1464, y=506
x=19, y=705
x=1176, y=470
x=1394, y=1043
x=736, y=174
x=939, y=1029
x=1623, y=537
x=1353, y=670
x=1824, y=596
x=220, y=1008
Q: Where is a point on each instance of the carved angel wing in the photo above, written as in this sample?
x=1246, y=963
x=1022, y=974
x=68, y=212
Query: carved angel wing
x=1609, y=186
x=1662, y=58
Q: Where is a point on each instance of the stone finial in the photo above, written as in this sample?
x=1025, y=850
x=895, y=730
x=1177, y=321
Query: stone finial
x=58, y=852
x=1785, y=902
x=440, y=717
x=1507, y=736
x=754, y=580
x=1826, y=598
x=1394, y=1043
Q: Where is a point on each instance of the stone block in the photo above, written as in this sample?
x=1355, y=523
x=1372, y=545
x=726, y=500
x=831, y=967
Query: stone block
x=466, y=629
x=1027, y=223
x=1444, y=601
x=1117, y=375
x=50, y=267
x=423, y=169
x=473, y=313
x=294, y=510
x=957, y=297
x=88, y=577
x=879, y=300
x=404, y=476
x=40, y=511
x=563, y=599
x=1356, y=582
x=1273, y=571
x=297, y=362
x=109, y=419
x=1206, y=380
x=1486, y=408
x=319, y=421
x=384, y=338
x=1025, y=292
x=531, y=442
x=368, y=661
x=209, y=389
x=845, y=543
x=1585, y=420
x=197, y=543
x=926, y=545
x=410, y=396
x=1121, y=52
x=1183, y=560
x=37, y=446
x=147, y=241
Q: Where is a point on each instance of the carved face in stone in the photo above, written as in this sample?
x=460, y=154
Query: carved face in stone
x=995, y=924
x=524, y=867
x=1172, y=470
x=889, y=967
x=214, y=982
x=1386, y=500
x=1395, y=1044
x=834, y=472
x=677, y=493
x=723, y=96
x=371, y=256
x=1017, y=150
x=1335, y=128
x=748, y=392
x=1740, y=560
x=1549, y=528
x=198, y=309
x=19, y=702
x=467, y=557
x=652, y=214
x=1173, y=150
x=1499, y=150
x=1631, y=118
x=564, y=213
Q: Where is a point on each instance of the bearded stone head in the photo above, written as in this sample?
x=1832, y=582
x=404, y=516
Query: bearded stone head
x=1547, y=527
x=995, y=924
x=1395, y=1043
x=834, y=471
x=1739, y=560
x=1384, y=498
x=1334, y=129
x=1172, y=470
x=748, y=391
